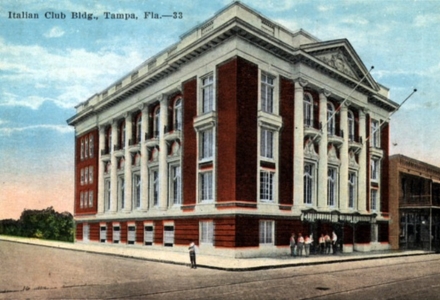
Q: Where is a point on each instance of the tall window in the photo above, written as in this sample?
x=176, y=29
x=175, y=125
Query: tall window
x=375, y=169
x=178, y=114
x=148, y=235
x=207, y=144
x=139, y=128
x=102, y=234
x=373, y=204
x=122, y=135
x=351, y=189
x=267, y=90
x=91, y=146
x=82, y=177
x=121, y=191
x=266, y=232
x=168, y=236
x=86, y=175
x=155, y=187
x=107, y=194
x=91, y=199
x=157, y=122
x=208, y=94
x=86, y=147
x=108, y=139
x=375, y=134
x=308, y=183
x=351, y=133
x=91, y=174
x=331, y=186
x=176, y=182
x=266, y=147
x=266, y=186
x=137, y=190
x=308, y=110
x=206, y=186
x=81, y=201
x=82, y=149
x=207, y=232
x=331, y=128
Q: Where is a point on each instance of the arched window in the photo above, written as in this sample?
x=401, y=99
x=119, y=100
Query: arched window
x=351, y=134
x=308, y=183
x=331, y=119
x=308, y=110
x=178, y=114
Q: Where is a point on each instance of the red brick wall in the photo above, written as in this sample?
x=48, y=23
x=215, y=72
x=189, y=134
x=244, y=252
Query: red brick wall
x=284, y=229
x=189, y=147
x=158, y=232
x=124, y=230
x=384, y=182
x=139, y=232
x=186, y=231
x=285, y=168
x=237, y=100
x=81, y=164
x=94, y=232
x=79, y=231
x=224, y=232
x=247, y=232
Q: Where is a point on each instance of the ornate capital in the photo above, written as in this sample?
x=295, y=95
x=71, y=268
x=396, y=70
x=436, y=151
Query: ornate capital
x=303, y=82
x=325, y=92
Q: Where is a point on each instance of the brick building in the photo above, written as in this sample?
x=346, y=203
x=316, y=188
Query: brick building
x=234, y=137
x=414, y=204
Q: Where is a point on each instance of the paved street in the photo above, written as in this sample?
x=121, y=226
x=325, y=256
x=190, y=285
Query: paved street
x=35, y=272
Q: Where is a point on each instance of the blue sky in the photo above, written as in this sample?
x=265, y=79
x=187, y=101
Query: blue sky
x=47, y=66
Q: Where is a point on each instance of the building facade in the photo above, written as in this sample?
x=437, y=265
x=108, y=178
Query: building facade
x=236, y=136
x=415, y=204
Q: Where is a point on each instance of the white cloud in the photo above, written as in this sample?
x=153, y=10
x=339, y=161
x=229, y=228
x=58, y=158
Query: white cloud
x=54, y=32
x=426, y=20
x=57, y=128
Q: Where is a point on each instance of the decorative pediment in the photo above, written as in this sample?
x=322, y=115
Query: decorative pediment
x=309, y=150
x=332, y=155
x=338, y=60
x=352, y=160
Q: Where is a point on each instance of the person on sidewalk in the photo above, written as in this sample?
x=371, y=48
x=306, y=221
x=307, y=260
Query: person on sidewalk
x=300, y=244
x=192, y=255
x=321, y=244
x=293, y=245
x=334, y=242
x=328, y=243
x=307, y=243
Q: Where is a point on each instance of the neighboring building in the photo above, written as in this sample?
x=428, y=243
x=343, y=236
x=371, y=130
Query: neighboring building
x=234, y=138
x=414, y=204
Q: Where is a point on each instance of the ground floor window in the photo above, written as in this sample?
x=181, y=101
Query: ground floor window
x=207, y=232
x=148, y=235
x=116, y=234
x=266, y=232
x=131, y=235
x=86, y=230
x=168, y=236
x=102, y=234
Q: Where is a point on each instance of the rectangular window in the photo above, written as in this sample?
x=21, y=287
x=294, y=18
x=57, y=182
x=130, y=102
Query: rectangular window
x=116, y=234
x=207, y=144
x=375, y=133
x=131, y=238
x=86, y=148
x=207, y=232
x=168, y=236
x=266, y=232
x=208, y=94
x=373, y=200
x=331, y=186
x=375, y=169
x=81, y=200
x=308, y=183
x=86, y=175
x=82, y=177
x=267, y=91
x=176, y=185
x=82, y=149
x=266, y=147
x=266, y=186
x=86, y=231
x=102, y=234
x=107, y=194
x=137, y=190
x=91, y=146
x=352, y=182
x=206, y=186
x=154, y=187
x=91, y=199
x=148, y=235
x=91, y=174
x=86, y=197
x=121, y=192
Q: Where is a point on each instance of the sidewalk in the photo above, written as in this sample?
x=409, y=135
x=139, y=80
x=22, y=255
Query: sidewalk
x=210, y=261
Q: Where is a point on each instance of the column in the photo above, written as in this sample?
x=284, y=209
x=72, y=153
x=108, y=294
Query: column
x=362, y=176
x=323, y=145
x=298, y=147
x=144, y=160
x=114, y=170
x=128, y=163
x=101, y=193
x=163, y=166
x=343, y=170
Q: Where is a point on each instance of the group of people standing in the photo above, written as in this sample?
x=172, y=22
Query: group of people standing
x=301, y=245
